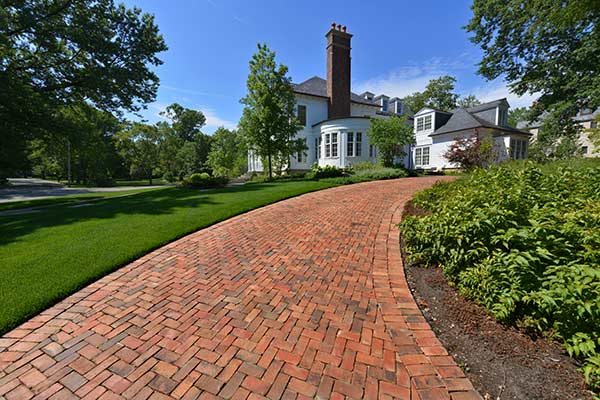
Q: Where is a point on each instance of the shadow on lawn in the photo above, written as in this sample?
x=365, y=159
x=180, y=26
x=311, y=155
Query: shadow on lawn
x=166, y=201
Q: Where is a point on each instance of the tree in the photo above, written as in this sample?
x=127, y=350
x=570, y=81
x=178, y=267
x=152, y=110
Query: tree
x=518, y=114
x=557, y=138
x=390, y=135
x=468, y=101
x=594, y=135
x=228, y=154
x=268, y=121
x=184, y=121
x=139, y=144
x=471, y=152
x=545, y=47
x=439, y=94
x=59, y=52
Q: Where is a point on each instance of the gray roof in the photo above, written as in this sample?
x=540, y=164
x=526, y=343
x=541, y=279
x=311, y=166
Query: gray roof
x=580, y=117
x=487, y=106
x=463, y=119
x=317, y=86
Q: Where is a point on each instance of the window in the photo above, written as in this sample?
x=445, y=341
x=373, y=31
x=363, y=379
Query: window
x=358, y=144
x=372, y=150
x=350, y=145
x=421, y=156
x=317, y=148
x=594, y=124
x=427, y=122
x=301, y=153
x=419, y=124
x=334, y=144
x=302, y=115
x=384, y=104
x=584, y=150
x=518, y=148
x=320, y=144
x=424, y=123
x=502, y=116
x=327, y=145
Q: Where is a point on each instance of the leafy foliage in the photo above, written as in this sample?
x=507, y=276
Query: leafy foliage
x=62, y=52
x=228, y=155
x=327, y=171
x=542, y=46
x=471, y=152
x=390, y=135
x=367, y=175
x=439, y=93
x=523, y=240
x=204, y=181
x=268, y=121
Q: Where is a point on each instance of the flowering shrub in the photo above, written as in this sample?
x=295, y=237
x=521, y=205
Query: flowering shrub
x=472, y=152
x=524, y=241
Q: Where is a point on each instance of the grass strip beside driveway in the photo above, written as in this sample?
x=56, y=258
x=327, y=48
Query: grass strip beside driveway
x=48, y=255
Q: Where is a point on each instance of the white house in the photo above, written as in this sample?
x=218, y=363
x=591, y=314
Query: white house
x=335, y=121
x=436, y=130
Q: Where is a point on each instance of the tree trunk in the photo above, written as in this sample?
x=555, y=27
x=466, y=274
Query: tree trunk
x=270, y=167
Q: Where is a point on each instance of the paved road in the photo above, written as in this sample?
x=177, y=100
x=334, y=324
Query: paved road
x=30, y=189
x=304, y=298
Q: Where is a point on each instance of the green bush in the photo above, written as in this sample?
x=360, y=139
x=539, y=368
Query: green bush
x=523, y=240
x=204, y=181
x=367, y=175
x=365, y=165
x=327, y=171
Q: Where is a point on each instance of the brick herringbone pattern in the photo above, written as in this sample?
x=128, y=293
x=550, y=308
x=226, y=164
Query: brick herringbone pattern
x=304, y=298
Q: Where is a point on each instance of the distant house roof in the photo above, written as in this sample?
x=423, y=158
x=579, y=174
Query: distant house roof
x=465, y=118
x=317, y=86
x=582, y=116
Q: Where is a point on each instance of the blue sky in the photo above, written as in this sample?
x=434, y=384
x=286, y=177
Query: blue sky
x=397, y=47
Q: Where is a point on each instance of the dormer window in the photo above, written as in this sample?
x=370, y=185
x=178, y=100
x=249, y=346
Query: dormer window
x=502, y=117
x=384, y=104
x=424, y=123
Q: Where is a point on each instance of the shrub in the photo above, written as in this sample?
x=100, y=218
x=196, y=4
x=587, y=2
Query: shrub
x=364, y=165
x=524, y=241
x=205, y=181
x=327, y=171
x=369, y=175
x=472, y=152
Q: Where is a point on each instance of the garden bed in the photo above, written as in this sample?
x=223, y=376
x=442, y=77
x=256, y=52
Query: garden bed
x=502, y=362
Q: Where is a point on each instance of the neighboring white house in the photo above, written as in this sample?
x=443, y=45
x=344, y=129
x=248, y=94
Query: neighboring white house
x=436, y=130
x=585, y=118
x=335, y=121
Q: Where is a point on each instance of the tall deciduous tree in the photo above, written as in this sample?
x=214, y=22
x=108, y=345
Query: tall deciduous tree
x=185, y=121
x=139, y=144
x=543, y=46
x=518, y=114
x=228, y=153
x=390, y=135
x=58, y=52
x=468, y=101
x=268, y=122
x=439, y=94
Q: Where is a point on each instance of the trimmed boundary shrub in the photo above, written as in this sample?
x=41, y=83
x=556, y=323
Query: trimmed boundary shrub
x=204, y=181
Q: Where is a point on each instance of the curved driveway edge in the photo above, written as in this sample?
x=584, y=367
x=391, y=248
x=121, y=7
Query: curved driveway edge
x=303, y=298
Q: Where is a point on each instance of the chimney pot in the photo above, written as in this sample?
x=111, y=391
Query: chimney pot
x=339, y=27
x=344, y=28
x=333, y=25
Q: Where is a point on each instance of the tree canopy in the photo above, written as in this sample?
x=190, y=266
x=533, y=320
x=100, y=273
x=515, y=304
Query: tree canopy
x=544, y=47
x=439, y=94
x=58, y=53
x=268, y=121
x=228, y=154
x=390, y=135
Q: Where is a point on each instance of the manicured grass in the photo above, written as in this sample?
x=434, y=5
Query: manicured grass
x=50, y=254
x=124, y=182
x=67, y=200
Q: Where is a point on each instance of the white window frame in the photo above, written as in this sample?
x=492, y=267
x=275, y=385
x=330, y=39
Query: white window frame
x=358, y=144
x=420, y=123
x=349, y=144
x=335, y=148
x=519, y=148
x=302, y=123
x=422, y=156
x=427, y=122
x=327, y=145
x=372, y=151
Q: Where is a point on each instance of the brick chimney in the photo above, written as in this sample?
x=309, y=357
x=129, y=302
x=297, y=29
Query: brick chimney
x=338, y=71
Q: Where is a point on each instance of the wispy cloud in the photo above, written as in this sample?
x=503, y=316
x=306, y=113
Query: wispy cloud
x=213, y=120
x=241, y=20
x=414, y=77
x=411, y=78
x=194, y=92
x=498, y=89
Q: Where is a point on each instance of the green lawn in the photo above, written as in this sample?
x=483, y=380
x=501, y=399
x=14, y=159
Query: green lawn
x=48, y=255
x=68, y=200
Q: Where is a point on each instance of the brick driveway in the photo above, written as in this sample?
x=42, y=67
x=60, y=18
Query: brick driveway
x=304, y=298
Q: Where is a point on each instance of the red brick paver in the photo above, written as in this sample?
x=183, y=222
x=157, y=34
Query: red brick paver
x=304, y=298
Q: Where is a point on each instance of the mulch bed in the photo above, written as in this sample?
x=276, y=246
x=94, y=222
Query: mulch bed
x=502, y=362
